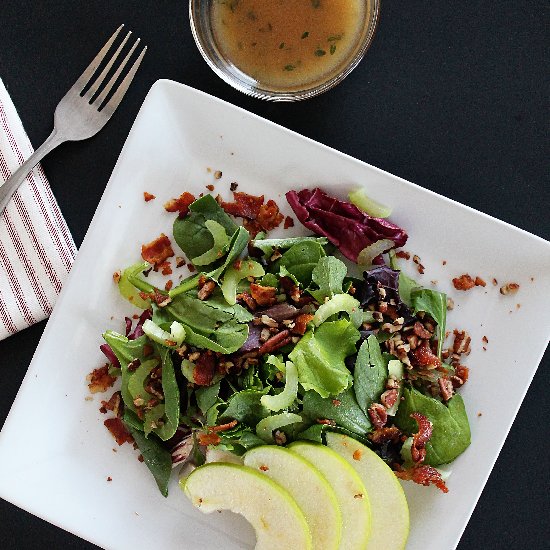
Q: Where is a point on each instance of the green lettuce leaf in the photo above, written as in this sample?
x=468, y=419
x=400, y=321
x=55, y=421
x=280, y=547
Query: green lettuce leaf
x=451, y=429
x=319, y=357
x=300, y=260
x=246, y=406
x=329, y=276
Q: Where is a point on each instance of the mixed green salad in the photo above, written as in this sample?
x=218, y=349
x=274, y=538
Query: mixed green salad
x=275, y=340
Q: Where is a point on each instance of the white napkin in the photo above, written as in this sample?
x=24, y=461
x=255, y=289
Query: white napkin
x=36, y=247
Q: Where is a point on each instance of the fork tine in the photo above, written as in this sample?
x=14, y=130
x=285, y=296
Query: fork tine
x=101, y=97
x=91, y=69
x=115, y=100
x=99, y=80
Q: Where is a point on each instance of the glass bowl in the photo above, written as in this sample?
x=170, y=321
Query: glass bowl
x=200, y=14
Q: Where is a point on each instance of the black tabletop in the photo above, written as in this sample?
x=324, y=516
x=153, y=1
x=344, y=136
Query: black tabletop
x=451, y=96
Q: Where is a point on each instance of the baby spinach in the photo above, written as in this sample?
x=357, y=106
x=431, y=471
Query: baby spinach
x=300, y=260
x=155, y=456
x=246, y=406
x=171, y=395
x=191, y=232
x=319, y=357
x=268, y=245
x=239, y=241
x=207, y=396
x=342, y=409
x=451, y=429
x=433, y=303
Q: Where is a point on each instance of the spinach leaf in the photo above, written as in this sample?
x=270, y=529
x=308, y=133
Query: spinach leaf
x=406, y=286
x=433, y=303
x=300, y=260
x=217, y=301
x=329, y=276
x=239, y=241
x=171, y=392
x=207, y=396
x=319, y=357
x=268, y=245
x=343, y=409
x=126, y=351
x=451, y=429
x=155, y=456
x=370, y=373
x=245, y=406
x=191, y=233
x=227, y=339
x=239, y=439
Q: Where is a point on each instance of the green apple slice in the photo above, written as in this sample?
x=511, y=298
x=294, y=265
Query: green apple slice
x=390, y=512
x=350, y=491
x=307, y=486
x=276, y=518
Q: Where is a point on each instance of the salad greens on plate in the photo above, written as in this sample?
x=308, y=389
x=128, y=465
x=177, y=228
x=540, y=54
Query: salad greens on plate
x=278, y=340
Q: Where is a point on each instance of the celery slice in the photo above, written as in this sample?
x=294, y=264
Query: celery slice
x=162, y=337
x=129, y=289
x=232, y=277
x=367, y=255
x=284, y=399
x=137, y=379
x=338, y=303
x=218, y=248
x=360, y=199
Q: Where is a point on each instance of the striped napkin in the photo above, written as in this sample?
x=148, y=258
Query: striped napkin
x=36, y=247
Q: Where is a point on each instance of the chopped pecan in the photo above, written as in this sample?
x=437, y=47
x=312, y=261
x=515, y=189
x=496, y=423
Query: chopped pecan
x=445, y=388
x=403, y=254
x=509, y=288
x=378, y=415
x=157, y=251
x=206, y=290
x=464, y=282
x=421, y=331
x=248, y=300
x=389, y=398
x=100, y=380
x=300, y=323
x=479, y=282
x=424, y=357
x=263, y=295
x=276, y=342
x=461, y=344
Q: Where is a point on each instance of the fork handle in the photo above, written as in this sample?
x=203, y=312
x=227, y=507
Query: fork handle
x=13, y=182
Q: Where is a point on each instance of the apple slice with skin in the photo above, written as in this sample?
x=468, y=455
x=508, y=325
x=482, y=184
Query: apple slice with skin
x=390, y=512
x=276, y=518
x=307, y=486
x=350, y=491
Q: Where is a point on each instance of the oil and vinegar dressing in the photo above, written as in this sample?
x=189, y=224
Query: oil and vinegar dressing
x=289, y=44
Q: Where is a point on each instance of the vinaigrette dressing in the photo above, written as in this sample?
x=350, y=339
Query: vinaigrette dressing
x=289, y=44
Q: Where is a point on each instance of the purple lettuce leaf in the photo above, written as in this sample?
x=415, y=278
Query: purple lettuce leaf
x=347, y=227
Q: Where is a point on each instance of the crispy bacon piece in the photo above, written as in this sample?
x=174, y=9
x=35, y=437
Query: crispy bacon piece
x=245, y=205
x=300, y=323
x=160, y=299
x=181, y=204
x=424, y=357
x=118, y=430
x=378, y=415
x=165, y=268
x=205, y=368
x=112, y=405
x=223, y=427
x=479, y=282
x=248, y=300
x=289, y=222
x=252, y=226
x=157, y=251
x=269, y=216
x=100, y=380
x=263, y=295
x=276, y=342
x=464, y=282
x=423, y=475
x=148, y=197
x=209, y=439
x=418, y=449
x=383, y=435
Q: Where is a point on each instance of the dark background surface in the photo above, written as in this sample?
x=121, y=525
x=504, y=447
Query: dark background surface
x=451, y=96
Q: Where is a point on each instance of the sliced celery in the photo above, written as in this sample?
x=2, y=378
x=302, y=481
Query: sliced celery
x=232, y=277
x=284, y=399
x=137, y=379
x=218, y=248
x=368, y=205
x=265, y=427
x=338, y=303
x=129, y=290
x=160, y=336
x=367, y=255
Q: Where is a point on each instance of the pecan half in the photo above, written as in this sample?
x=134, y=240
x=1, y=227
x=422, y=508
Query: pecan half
x=276, y=342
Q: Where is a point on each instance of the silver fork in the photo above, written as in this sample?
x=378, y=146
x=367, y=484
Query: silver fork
x=77, y=117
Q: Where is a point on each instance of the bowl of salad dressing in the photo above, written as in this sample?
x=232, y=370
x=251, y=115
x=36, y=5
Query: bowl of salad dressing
x=283, y=50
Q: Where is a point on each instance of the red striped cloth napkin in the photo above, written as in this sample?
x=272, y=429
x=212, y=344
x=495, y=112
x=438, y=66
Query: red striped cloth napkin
x=36, y=247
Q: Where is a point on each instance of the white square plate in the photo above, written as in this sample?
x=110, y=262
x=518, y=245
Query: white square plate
x=56, y=455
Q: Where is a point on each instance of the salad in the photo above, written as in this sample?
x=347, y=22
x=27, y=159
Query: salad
x=279, y=340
